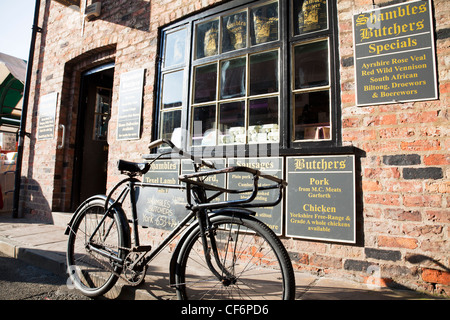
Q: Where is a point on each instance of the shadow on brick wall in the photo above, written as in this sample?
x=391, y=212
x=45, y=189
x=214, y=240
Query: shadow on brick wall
x=33, y=203
x=135, y=16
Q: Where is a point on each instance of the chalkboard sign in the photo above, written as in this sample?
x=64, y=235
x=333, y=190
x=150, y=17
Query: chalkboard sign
x=240, y=180
x=130, y=105
x=46, y=117
x=394, y=54
x=218, y=180
x=160, y=207
x=321, y=198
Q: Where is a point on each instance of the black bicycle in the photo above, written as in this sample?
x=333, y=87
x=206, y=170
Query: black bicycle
x=224, y=252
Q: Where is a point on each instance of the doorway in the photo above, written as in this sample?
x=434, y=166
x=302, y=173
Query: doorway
x=91, y=149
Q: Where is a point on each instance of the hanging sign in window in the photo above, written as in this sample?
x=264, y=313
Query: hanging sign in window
x=394, y=54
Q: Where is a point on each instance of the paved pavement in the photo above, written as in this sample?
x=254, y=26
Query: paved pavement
x=44, y=245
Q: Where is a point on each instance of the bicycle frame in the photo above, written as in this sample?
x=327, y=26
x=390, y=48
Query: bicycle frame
x=201, y=208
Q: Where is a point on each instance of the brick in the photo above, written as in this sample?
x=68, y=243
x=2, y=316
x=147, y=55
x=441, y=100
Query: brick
x=438, y=187
x=441, y=216
x=397, y=242
x=396, y=133
x=371, y=186
x=378, y=282
x=356, y=265
x=401, y=160
x=382, y=173
x=389, y=255
x=403, y=215
x=347, y=62
x=386, y=199
x=418, y=117
x=420, y=145
x=423, y=173
x=350, y=122
x=433, y=245
x=436, y=159
x=436, y=276
x=326, y=261
x=422, y=201
x=403, y=186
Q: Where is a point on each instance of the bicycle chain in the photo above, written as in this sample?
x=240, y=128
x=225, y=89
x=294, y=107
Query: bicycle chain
x=109, y=267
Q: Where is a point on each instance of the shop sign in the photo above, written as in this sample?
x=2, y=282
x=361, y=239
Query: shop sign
x=395, y=54
x=161, y=207
x=217, y=180
x=271, y=216
x=320, y=200
x=130, y=105
x=46, y=116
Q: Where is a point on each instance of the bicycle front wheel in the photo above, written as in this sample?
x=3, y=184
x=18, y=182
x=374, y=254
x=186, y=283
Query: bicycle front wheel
x=251, y=263
x=94, y=272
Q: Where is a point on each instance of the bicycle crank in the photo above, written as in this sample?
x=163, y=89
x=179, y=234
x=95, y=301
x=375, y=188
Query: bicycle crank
x=133, y=269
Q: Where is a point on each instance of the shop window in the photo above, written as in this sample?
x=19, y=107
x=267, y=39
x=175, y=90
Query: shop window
x=245, y=74
x=311, y=91
x=172, y=85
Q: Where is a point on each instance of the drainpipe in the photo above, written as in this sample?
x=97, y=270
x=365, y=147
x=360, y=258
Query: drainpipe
x=23, y=118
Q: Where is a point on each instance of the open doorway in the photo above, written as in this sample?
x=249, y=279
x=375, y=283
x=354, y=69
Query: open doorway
x=91, y=150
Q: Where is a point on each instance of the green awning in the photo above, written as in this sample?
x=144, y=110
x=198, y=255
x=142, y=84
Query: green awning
x=12, y=79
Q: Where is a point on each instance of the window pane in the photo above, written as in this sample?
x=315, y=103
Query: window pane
x=232, y=122
x=264, y=23
x=232, y=78
x=207, y=39
x=170, y=121
x=312, y=115
x=234, y=32
x=172, y=95
x=311, y=65
x=263, y=120
x=264, y=73
x=205, y=83
x=204, y=126
x=102, y=114
x=310, y=16
x=175, y=48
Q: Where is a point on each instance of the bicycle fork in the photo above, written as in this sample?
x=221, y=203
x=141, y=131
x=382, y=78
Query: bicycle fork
x=208, y=232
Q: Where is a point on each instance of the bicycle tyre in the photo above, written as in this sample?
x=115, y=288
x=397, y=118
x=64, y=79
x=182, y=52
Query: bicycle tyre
x=259, y=265
x=91, y=273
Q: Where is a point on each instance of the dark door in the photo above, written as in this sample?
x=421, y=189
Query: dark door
x=92, y=131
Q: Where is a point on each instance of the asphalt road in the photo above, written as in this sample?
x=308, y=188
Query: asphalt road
x=21, y=281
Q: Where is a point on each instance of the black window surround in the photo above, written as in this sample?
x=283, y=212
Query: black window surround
x=289, y=45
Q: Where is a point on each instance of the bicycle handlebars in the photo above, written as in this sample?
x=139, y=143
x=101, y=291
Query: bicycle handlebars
x=194, y=179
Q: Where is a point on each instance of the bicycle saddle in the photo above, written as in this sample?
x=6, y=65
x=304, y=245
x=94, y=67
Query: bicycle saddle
x=133, y=167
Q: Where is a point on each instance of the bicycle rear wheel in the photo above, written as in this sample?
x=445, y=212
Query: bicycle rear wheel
x=91, y=272
x=252, y=263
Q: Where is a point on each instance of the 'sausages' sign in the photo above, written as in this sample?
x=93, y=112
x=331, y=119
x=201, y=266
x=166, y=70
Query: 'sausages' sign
x=394, y=54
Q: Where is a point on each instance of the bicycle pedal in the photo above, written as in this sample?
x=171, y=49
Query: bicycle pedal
x=142, y=248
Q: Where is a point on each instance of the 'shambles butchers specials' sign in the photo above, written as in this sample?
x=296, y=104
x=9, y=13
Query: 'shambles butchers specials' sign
x=394, y=54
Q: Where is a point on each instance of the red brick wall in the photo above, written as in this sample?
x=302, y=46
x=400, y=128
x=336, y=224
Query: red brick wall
x=404, y=220
x=405, y=172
